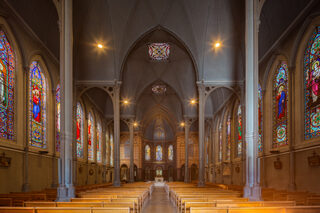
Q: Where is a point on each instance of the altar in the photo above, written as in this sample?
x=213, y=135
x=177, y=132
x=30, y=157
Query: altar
x=158, y=181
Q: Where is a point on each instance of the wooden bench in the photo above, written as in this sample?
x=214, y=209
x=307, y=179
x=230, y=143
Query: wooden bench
x=131, y=205
x=63, y=210
x=290, y=209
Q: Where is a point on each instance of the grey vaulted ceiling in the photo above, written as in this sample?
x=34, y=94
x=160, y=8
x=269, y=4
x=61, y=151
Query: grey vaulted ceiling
x=126, y=27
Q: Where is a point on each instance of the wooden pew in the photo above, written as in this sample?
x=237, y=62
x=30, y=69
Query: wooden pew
x=63, y=210
x=289, y=209
x=5, y=201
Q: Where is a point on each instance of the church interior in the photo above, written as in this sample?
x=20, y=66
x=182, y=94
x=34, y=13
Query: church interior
x=159, y=106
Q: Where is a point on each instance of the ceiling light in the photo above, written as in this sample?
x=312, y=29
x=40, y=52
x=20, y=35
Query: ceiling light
x=217, y=44
x=135, y=124
x=182, y=124
x=125, y=101
x=193, y=101
x=100, y=46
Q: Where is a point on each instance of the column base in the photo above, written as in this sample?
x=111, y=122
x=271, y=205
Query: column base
x=292, y=187
x=116, y=183
x=64, y=194
x=201, y=184
x=25, y=187
x=253, y=193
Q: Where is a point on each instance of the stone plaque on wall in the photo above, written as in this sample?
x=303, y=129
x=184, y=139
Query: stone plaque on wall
x=314, y=160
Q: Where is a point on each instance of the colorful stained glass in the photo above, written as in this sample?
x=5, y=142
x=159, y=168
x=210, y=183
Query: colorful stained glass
x=228, y=147
x=79, y=131
x=312, y=86
x=58, y=118
x=159, y=51
x=99, y=143
x=260, y=148
x=107, y=148
x=170, y=152
x=7, y=73
x=147, y=152
x=220, y=141
x=37, y=106
x=127, y=150
x=159, y=153
x=90, y=138
x=111, y=150
x=280, y=109
x=239, y=132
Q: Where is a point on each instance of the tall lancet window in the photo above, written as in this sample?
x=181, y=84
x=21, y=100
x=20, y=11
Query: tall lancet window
x=159, y=153
x=107, y=147
x=99, y=143
x=7, y=84
x=228, y=145
x=239, y=131
x=170, y=152
x=90, y=138
x=79, y=131
x=312, y=86
x=220, y=141
x=111, y=150
x=58, y=118
x=37, y=106
x=260, y=147
x=147, y=152
x=280, y=108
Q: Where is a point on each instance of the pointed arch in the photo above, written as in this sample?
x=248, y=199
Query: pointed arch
x=260, y=119
x=311, y=69
x=7, y=88
x=58, y=118
x=37, y=98
x=91, y=143
x=79, y=130
x=280, y=105
x=99, y=141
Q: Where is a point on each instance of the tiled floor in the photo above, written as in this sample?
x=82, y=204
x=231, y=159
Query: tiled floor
x=159, y=202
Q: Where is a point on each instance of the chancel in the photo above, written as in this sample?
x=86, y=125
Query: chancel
x=159, y=106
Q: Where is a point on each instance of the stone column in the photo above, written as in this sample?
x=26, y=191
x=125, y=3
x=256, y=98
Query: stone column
x=292, y=180
x=25, y=185
x=116, y=137
x=252, y=189
x=201, y=91
x=186, y=142
x=65, y=190
x=131, y=131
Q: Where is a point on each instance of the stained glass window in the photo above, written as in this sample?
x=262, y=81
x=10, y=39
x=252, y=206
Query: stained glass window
x=99, y=143
x=147, y=152
x=159, y=153
x=58, y=117
x=107, y=148
x=220, y=141
x=239, y=132
x=312, y=86
x=159, y=89
x=7, y=72
x=79, y=131
x=228, y=147
x=37, y=106
x=127, y=150
x=170, y=152
x=280, y=100
x=111, y=150
x=260, y=148
x=90, y=137
x=159, y=51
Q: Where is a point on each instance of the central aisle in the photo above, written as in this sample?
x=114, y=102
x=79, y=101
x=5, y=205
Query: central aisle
x=159, y=202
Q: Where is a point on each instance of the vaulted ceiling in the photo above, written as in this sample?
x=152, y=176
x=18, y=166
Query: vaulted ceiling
x=126, y=27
